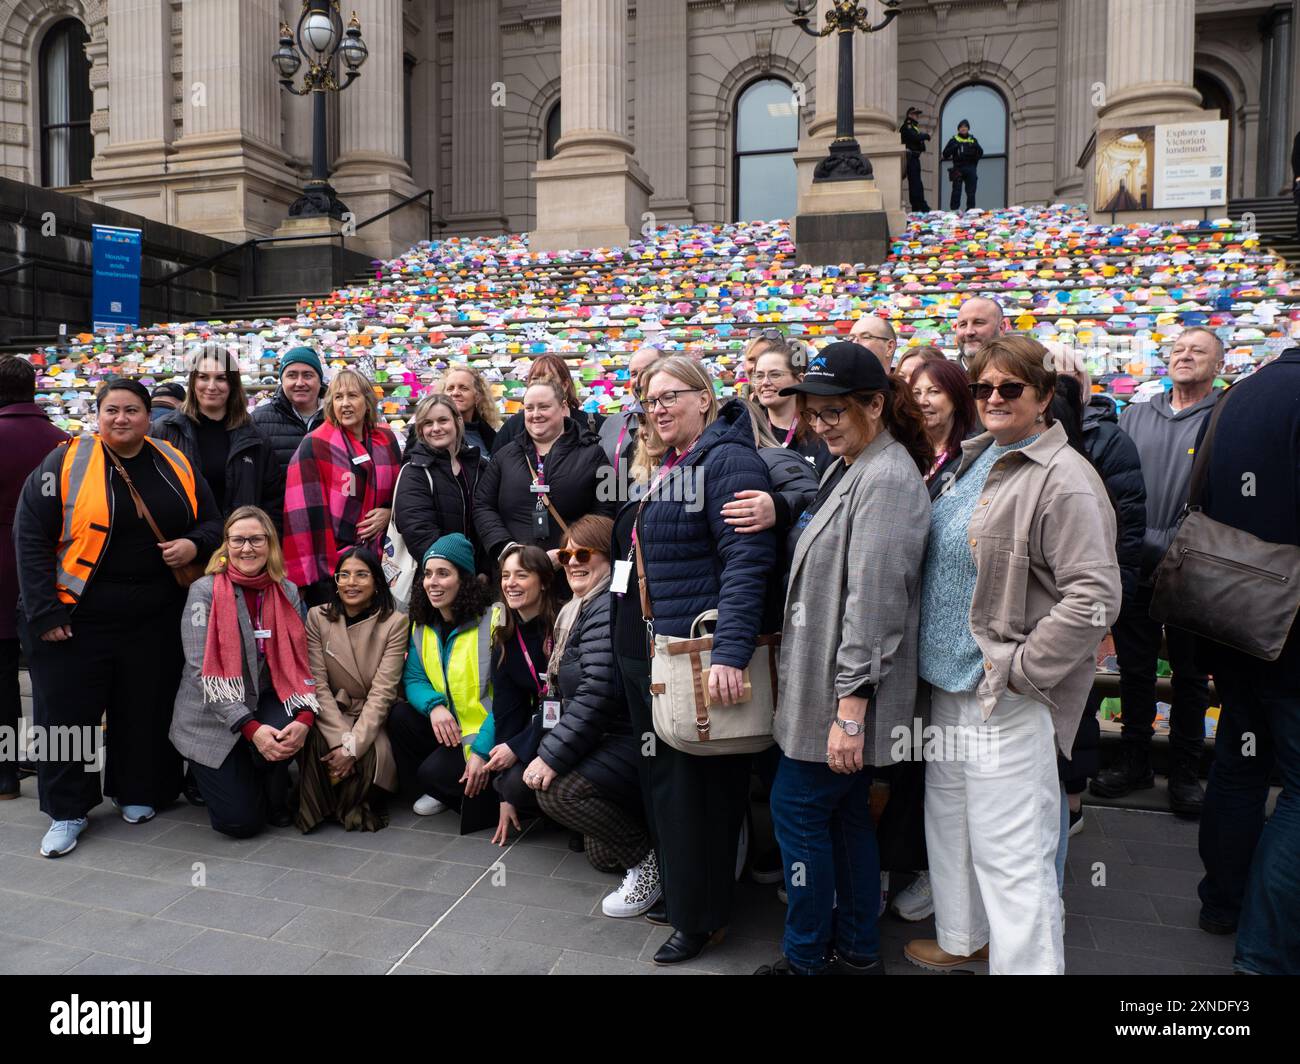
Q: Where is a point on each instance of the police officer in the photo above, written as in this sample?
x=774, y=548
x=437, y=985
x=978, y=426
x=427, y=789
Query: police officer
x=964, y=152
x=914, y=141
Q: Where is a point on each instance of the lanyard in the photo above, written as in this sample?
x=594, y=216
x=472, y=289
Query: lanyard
x=664, y=470
x=355, y=470
x=618, y=447
x=538, y=473
x=541, y=687
x=789, y=433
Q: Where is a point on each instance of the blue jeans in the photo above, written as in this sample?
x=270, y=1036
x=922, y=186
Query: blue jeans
x=832, y=866
x=1252, y=869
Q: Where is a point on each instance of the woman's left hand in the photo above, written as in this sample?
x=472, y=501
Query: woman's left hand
x=539, y=775
x=726, y=684
x=292, y=736
x=505, y=818
x=374, y=524
x=844, y=752
x=178, y=552
x=750, y=511
x=339, y=762
x=500, y=758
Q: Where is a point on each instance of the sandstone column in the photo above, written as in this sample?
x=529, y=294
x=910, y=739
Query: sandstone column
x=1081, y=65
x=477, y=109
x=139, y=100
x=661, y=111
x=1149, y=56
x=371, y=173
x=1274, y=159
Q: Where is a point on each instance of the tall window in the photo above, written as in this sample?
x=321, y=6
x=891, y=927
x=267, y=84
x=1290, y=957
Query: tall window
x=552, y=131
x=767, y=133
x=64, y=71
x=983, y=107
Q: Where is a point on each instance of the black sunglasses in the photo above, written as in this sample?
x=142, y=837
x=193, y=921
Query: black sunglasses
x=1009, y=390
x=766, y=334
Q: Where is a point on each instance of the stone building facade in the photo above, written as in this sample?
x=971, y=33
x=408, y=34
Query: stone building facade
x=188, y=125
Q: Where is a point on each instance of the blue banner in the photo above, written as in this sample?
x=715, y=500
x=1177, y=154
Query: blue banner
x=116, y=264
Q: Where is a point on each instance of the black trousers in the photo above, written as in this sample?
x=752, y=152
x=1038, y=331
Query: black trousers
x=11, y=702
x=510, y=786
x=425, y=766
x=965, y=176
x=1085, y=755
x=1137, y=647
x=915, y=189
x=123, y=660
x=697, y=805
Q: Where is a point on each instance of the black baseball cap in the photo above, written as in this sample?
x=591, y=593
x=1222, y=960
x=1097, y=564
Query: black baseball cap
x=169, y=389
x=840, y=368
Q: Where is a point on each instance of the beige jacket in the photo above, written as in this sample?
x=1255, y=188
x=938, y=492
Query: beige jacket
x=1048, y=589
x=358, y=674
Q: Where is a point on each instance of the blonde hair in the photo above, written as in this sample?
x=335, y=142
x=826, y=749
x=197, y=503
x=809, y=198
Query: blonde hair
x=274, y=555
x=424, y=410
x=650, y=448
x=363, y=385
x=485, y=407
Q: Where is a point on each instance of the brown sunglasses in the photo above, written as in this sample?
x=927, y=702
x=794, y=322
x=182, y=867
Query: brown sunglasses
x=582, y=555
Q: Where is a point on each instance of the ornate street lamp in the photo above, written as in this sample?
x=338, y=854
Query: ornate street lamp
x=320, y=36
x=845, y=161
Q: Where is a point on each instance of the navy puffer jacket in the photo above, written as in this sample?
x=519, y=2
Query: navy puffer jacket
x=694, y=560
x=1115, y=457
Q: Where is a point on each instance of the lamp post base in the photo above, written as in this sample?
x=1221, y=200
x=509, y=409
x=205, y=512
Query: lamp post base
x=318, y=200
x=844, y=162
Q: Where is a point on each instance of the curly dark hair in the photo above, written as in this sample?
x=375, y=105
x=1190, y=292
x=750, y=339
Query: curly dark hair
x=472, y=600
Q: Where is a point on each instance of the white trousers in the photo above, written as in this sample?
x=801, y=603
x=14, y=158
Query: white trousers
x=992, y=826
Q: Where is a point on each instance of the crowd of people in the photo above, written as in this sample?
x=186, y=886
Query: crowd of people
x=928, y=540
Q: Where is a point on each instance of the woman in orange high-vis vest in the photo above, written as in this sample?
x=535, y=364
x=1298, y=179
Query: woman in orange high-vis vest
x=100, y=611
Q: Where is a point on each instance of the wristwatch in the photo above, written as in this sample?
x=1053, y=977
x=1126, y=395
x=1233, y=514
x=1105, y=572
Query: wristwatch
x=851, y=727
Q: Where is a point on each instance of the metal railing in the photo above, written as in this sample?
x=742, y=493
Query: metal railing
x=34, y=265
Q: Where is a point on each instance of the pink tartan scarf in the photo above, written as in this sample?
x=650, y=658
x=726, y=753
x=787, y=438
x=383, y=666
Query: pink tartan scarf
x=286, y=648
x=327, y=494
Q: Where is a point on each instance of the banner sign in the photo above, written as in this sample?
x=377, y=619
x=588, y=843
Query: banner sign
x=116, y=266
x=1182, y=164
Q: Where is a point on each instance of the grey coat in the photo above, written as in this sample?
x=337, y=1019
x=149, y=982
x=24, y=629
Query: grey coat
x=202, y=732
x=853, y=606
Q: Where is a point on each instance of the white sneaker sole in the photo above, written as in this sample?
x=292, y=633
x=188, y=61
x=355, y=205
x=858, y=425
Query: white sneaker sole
x=58, y=853
x=913, y=916
x=624, y=912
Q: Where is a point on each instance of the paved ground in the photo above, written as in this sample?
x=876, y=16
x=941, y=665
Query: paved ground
x=174, y=896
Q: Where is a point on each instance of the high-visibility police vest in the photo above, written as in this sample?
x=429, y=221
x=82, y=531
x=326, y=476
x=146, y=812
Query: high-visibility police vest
x=88, y=511
x=467, y=681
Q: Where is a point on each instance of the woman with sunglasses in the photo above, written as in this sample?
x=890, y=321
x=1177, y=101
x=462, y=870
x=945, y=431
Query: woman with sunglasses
x=693, y=561
x=247, y=700
x=584, y=773
x=775, y=370
x=1021, y=584
x=521, y=651
x=356, y=646
x=848, y=656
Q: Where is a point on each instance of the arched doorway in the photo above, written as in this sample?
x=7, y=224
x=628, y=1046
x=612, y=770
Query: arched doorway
x=1215, y=97
x=984, y=108
x=66, y=145
x=766, y=135
x=553, y=128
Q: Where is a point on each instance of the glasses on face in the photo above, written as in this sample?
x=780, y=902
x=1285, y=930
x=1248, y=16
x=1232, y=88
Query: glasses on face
x=774, y=376
x=1009, y=390
x=766, y=334
x=667, y=400
x=240, y=542
x=362, y=577
x=582, y=555
x=830, y=416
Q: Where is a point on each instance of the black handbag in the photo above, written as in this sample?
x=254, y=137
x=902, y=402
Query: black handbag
x=1224, y=584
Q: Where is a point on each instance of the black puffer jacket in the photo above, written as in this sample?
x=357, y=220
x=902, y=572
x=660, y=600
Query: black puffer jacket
x=428, y=502
x=253, y=477
x=284, y=430
x=575, y=469
x=1115, y=457
x=594, y=735
x=794, y=486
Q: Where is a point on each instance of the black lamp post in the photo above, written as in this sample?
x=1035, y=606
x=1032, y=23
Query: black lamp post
x=320, y=37
x=845, y=161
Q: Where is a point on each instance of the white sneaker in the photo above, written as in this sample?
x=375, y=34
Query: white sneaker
x=917, y=901
x=639, y=892
x=427, y=805
x=884, y=894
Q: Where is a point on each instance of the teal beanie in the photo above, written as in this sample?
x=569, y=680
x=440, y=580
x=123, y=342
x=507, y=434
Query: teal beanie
x=456, y=549
x=306, y=356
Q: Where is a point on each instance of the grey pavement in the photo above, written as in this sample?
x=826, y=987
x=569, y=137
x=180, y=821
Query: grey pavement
x=174, y=896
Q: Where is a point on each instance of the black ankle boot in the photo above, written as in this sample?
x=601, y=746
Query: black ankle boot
x=192, y=793
x=658, y=913
x=9, y=781
x=1186, y=796
x=686, y=946
x=1130, y=772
